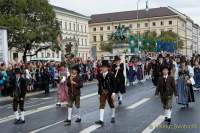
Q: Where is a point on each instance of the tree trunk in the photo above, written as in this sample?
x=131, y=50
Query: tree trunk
x=24, y=56
x=25, y=53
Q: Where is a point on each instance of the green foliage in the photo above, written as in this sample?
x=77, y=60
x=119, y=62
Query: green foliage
x=149, y=41
x=106, y=46
x=29, y=23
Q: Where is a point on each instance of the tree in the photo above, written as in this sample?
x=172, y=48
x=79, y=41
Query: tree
x=149, y=41
x=170, y=36
x=30, y=23
x=106, y=46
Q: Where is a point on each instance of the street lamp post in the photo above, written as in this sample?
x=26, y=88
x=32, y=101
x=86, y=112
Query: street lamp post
x=138, y=23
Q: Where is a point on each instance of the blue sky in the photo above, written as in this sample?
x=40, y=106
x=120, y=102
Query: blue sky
x=87, y=7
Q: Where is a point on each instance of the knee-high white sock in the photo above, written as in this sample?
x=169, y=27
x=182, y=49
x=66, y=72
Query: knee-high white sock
x=120, y=97
x=165, y=112
x=22, y=116
x=169, y=112
x=79, y=113
x=113, y=112
x=17, y=115
x=101, y=114
x=69, y=113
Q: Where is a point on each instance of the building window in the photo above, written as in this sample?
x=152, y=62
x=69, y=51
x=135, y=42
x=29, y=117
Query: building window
x=123, y=26
x=138, y=25
x=101, y=28
x=57, y=54
x=94, y=38
x=81, y=28
x=82, y=41
x=83, y=55
x=85, y=29
x=48, y=55
x=70, y=26
x=66, y=25
x=146, y=24
x=15, y=56
x=77, y=29
x=130, y=26
x=42, y=54
x=53, y=54
x=108, y=27
x=161, y=23
x=85, y=42
x=94, y=29
x=154, y=23
x=116, y=27
x=101, y=37
x=60, y=24
x=170, y=22
x=74, y=27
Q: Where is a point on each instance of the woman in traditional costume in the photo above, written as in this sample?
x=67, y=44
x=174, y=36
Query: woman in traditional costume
x=184, y=85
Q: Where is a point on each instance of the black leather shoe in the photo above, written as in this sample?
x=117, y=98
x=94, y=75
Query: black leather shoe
x=78, y=120
x=17, y=121
x=168, y=121
x=22, y=121
x=99, y=122
x=68, y=122
x=112, y=120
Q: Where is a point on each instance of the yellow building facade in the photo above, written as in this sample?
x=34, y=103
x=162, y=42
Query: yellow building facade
x=154, y=20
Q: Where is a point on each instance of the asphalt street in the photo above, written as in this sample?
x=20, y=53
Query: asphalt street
x=141, y=112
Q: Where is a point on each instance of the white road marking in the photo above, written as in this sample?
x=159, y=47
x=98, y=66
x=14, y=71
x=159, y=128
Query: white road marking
x=138, y=103
x=45, y=98
x=89, y=95
x=51, y=125
x=154, y=124
x=90, y=129
x=94, y=127
x=29, y=112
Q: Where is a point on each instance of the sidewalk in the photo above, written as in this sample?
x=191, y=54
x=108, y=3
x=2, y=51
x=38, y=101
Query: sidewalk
x=3, y=99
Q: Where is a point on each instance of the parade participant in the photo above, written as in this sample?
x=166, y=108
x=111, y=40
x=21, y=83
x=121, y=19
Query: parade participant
x=168, y=62
x=157, y=69
x=19, y=92
x=140, y=70
x=74, y=84
x=62, y=85
x=3, y=79
x=118, y=70
x=197, y=75
x=106, y=91
x=184, y=85
x=45, y=80
x=131, y=72
x=166, y=88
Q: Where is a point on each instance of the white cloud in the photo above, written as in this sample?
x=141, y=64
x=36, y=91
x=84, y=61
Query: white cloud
x=88, y=7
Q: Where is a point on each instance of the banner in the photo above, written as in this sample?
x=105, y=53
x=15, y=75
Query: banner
x=3, y=46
